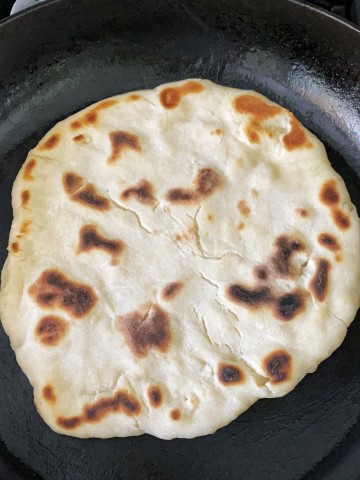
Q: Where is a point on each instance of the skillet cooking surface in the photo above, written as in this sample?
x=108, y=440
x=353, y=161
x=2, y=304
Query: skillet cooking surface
x=59, y=58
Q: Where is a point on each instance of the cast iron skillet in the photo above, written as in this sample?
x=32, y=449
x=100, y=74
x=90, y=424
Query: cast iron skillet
x=58, y=58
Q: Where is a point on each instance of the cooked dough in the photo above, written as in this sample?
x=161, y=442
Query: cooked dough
x=176, y=254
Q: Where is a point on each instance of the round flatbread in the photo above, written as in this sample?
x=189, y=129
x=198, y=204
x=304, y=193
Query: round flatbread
x=175, y=255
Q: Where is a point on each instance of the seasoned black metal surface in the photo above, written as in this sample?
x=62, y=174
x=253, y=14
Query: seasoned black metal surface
x=57, y=59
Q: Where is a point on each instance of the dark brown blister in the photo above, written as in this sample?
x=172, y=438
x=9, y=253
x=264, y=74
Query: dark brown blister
x=54, y=290
x=121, y=402
x=91, y=239
x=146, y=330
x=142, y=192
x=230, y=375
x=121, y=141
x=48, y=394
x=50, y=330
x=329, y=241
x=206, y=182
x=329, y=193
x=285, y=248
x=171, y=290
x=155, y=396
x=84, y=193
x=319, y=284
x=278, y=366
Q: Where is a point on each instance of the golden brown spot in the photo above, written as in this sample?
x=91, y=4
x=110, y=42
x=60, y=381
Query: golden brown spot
x=76, y=124
x=285, y=247
x=53, y=290
x=90, y=117
x=329, y=193
x=329, y=241
x=68, y=423
x=79, y=138
x=278, y=366
x=51, y=142
x=121, y=402
x=229, y=375
x=320, y=282
x=28, y=170
x=175, y=414
x=254, y=193
x=111, y=102
x=257, y=108
x=185, y=236
x=91, y=239
x=14, y=247
x=210, y=217
x=341, y=220
x=302, y=212
x=24, y=229
x=145, y=329
x=84, y=193
x=296, y=138
x=170, y=290
x=330, y=196
x=122, y=141
x=190, y=87
x=48, y=394
x=218, y=131
x=244, y=208
x=155, y=396
x=205, y=182
x=142, y=192
x=50, y=330
x=170, y=97
x=241, y=225
x=134, y=97
x=252, y=133
x=25, y=197
x=338, y=257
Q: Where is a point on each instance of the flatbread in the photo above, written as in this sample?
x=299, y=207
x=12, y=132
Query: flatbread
x=176, y=254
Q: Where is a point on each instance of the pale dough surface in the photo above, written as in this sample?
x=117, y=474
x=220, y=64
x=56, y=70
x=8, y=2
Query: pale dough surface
x=176, y=254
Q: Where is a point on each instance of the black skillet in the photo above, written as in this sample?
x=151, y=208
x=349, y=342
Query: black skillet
x=58, y=58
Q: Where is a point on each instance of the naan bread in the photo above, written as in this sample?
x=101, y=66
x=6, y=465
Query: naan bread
x=175, y=255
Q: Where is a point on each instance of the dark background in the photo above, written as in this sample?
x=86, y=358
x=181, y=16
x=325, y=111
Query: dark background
x=349, y=9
